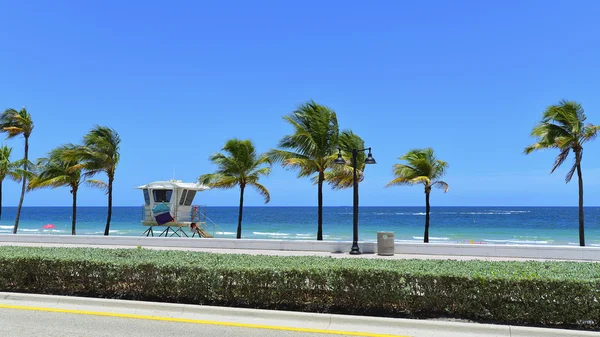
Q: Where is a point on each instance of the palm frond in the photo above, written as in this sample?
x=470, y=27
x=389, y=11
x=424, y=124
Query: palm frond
x=422, y=167
x=99, y=152
x=278, y=156
x=314, y=141
x=399, y=181
x=576, y=163
x=562, y=127
x=562, y=156
x=306, y=166
x=263, y=171
x=54, y=182
x=99, y=184
x=441, y=184
x=590, y=132
x=238, y=165
x=262, y=191
x=16, y=122
x=342, y=177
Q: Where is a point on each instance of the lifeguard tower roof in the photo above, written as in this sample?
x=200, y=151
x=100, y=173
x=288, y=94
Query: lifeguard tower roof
x=171, y=184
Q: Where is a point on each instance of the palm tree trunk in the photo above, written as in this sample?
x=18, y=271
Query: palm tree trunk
x=427, y=208
x=74, y=215
x=320, y=208
x=110, y=183
x=581, y=231
x=239, y=228
x=22, y=188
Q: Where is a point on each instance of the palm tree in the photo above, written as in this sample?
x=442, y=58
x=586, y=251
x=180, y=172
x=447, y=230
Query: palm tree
x=58, y=170
x=99, y=153
x=422, y=167
x=7, y=169
x=311, y=148
x=239, y=166
x=562, y=127
x=342, y=176
x=16, y=123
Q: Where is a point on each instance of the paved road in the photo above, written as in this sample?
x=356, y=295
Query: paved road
x=17, y=323
x=47, y=315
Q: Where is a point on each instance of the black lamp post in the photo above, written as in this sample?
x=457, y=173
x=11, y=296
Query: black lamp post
x=370, y=160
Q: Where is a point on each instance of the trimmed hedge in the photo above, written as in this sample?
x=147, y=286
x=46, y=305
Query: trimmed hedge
x=564, y=294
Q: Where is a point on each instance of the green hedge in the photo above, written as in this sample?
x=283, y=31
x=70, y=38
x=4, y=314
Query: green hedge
x=563, y=294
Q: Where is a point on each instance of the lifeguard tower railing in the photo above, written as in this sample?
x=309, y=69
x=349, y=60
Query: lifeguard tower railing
x=203, y=225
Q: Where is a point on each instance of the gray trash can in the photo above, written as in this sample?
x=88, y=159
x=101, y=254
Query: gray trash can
x=385, y=243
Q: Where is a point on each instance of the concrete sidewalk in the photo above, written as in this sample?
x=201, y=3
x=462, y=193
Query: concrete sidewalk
x=291, y=252
x=299, y=247
x=269, y=319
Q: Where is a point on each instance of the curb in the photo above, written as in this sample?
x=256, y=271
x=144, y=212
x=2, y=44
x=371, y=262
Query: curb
x=413, y=327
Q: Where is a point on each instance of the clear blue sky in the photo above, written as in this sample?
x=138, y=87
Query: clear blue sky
x=177, y=79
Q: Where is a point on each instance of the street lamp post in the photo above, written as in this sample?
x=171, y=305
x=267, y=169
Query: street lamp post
x=370, y=160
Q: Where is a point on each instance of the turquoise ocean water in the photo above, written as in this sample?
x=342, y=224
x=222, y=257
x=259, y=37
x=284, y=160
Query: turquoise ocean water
x=486, y=225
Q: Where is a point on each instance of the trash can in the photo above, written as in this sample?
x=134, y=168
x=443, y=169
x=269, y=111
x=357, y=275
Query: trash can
x=385, y=243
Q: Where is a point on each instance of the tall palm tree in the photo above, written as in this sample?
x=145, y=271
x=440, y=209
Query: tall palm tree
x=311, y=148
x=7, y=169
x=57, y=170
x=241, y=166
x=562, y=127
x=422, y=167
x=15, y=123
x=342, y=176
x=99, y=153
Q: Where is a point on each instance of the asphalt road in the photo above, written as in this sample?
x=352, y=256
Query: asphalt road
x=17, y=323
x=49, y=315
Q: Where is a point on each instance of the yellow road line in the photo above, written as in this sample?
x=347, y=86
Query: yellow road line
x=196, y=321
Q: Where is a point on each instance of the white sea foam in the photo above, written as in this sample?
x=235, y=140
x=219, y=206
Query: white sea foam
x=410, y=213
x=492, y=212
x=270, y=234
x=226, y=233
x=304, y=235
x=431, y=238
x=29, y=230
x=6, y=227
x=118, y=232
x=525, y=242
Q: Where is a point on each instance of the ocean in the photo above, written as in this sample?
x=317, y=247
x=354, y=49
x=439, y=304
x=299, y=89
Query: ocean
x=484, y=225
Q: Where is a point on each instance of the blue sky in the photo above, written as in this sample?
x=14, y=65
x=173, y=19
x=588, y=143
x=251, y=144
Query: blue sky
x=177, y=79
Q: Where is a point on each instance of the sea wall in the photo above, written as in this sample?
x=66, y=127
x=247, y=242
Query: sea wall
x=482, y=250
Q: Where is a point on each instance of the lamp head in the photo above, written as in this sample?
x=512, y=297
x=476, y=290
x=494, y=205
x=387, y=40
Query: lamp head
x=370, y=159
x=339, y=159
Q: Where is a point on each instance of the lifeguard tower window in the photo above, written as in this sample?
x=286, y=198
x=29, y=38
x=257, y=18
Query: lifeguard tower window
x=146, y=196
x=182, y=197
x=187, y=196
x=162, y=195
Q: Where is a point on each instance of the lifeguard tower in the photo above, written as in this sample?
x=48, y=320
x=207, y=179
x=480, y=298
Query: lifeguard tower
x=168, y=205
